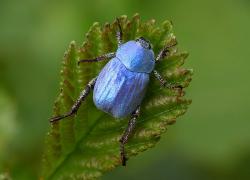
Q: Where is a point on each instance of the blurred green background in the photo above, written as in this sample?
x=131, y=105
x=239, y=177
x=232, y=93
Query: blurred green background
x=211, y=141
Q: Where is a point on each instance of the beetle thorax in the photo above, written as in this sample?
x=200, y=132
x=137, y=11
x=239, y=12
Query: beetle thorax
x=136, y=56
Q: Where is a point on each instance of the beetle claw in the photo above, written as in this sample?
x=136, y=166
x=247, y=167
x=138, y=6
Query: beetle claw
x=123, y=159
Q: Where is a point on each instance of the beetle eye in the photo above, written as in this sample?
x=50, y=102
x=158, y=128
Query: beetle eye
x=144, y=43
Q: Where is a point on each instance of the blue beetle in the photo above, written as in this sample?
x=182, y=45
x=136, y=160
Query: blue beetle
x=121, y=85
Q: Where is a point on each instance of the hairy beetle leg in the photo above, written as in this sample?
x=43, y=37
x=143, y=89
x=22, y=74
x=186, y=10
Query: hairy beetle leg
x=99, y=58
x=119, y=33
x=165, y=51
x=159, y=78
x=78, y=102
x=174, y=86
x=119, y=36
x=127, y=133
x=164, y=82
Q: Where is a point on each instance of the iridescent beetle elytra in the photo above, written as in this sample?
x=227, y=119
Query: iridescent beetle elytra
x=121, y=85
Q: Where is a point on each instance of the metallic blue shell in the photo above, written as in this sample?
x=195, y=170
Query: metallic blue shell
x=135, y=57
x=118, y=91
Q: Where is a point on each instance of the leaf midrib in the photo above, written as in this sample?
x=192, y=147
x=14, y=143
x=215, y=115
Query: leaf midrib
x=91, y=129
x=76, y=145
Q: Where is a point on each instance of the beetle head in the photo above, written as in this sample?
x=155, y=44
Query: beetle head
x=144, y=43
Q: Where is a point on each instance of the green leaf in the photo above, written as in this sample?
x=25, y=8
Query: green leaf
x=87, y=145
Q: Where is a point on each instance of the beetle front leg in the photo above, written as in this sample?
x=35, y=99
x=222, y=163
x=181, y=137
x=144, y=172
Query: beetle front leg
x=78, y=102
x=127, y=133
x=99, y=58
x=119, y=33
x=164, y=83
x=165, y=51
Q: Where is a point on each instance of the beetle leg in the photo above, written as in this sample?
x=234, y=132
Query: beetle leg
x=159, y=77
x=164, y=82
x=78, y=102
x=165, y=51
x=100, y=58
x=127, y=133
x=119, y=33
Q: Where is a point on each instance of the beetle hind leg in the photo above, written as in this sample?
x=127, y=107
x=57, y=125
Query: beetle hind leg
x=78, y=102
x=127, y=133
